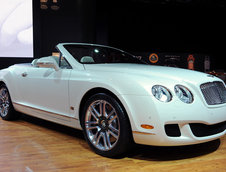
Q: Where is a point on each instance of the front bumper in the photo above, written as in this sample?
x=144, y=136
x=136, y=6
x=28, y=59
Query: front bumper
x=188, y=119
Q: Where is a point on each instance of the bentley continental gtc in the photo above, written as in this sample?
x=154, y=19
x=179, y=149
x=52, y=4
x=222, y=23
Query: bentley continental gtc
x=115, y=98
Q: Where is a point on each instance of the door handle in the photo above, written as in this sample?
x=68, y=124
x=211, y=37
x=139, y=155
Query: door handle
x=24, y=74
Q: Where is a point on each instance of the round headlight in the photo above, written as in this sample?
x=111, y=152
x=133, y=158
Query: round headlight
x=183, y=93
x=161, y=93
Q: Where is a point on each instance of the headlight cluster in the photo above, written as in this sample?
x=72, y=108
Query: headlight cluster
x=161, y=93
x=183, y=93
x=164, y=95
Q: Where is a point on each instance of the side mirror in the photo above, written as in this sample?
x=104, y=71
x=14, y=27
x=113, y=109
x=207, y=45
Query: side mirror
x=47, y=62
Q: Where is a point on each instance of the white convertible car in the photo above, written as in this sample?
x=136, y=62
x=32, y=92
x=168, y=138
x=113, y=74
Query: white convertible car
x=115, y=98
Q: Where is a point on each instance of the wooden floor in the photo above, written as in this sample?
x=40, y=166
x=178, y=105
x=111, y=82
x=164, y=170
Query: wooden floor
x=33, y=145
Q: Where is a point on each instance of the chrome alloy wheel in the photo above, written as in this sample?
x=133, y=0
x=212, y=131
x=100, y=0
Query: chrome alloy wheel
x=4, y=102
x=102, y=125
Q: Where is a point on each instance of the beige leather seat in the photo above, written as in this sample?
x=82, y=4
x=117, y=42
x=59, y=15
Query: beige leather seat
x=87, y=59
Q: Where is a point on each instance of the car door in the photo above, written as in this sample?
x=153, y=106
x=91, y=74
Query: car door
x=46, y=89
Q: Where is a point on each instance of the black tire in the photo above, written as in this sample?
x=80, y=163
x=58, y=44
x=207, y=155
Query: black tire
x=106, y=126
x=7, y=111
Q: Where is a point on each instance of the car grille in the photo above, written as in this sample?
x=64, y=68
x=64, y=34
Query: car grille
x=214, y=92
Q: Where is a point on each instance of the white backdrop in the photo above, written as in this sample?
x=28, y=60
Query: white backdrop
x=16, y=28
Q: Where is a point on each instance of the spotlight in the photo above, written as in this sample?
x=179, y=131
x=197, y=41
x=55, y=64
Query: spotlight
x=43, y=4
x=52, y=4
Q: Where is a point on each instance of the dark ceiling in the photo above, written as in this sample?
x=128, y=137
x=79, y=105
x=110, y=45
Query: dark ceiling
x=194, y=3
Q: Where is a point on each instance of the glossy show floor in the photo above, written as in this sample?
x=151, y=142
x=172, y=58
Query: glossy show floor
x=33, y=145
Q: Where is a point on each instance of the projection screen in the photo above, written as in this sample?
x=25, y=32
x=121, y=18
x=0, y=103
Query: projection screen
x=16, y=28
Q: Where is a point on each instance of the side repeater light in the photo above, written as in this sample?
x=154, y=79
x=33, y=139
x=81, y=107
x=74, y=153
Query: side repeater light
x=146, y=126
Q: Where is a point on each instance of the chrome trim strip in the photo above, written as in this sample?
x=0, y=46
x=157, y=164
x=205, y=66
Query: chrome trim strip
x=138, y=132
x=43, y=111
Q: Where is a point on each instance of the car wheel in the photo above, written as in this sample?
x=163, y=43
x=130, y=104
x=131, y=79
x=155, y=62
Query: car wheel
x=7, y=111
x=106, y=126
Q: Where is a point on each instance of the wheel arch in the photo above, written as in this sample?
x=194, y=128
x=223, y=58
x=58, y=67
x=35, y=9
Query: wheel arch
x=97, y=90
x=8, y=83
x=1, y=82
x=7, y=77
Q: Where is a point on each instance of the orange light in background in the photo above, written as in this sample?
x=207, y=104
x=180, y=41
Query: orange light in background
x=191, y=61
x=153, y=58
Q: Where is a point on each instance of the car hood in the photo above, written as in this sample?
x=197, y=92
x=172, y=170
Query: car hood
x=150, y=71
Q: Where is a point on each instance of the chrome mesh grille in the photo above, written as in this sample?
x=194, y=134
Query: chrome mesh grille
x=214, y=92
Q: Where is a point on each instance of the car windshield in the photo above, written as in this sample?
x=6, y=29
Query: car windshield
x=93, y=54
